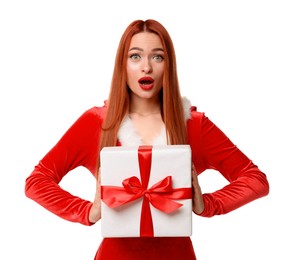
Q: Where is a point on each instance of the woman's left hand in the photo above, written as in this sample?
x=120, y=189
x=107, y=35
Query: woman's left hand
x=95, y=211
x=198, y=202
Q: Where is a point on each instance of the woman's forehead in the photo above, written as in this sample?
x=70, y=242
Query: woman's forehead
x=146, y=41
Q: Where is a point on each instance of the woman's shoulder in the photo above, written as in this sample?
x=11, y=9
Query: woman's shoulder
x=195, y=114
x=95, y=112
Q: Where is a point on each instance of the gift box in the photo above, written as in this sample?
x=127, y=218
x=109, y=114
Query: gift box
x=146, y=191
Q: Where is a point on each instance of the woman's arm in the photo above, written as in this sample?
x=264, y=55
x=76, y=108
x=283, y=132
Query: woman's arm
x=77, y=147
x=212, y=149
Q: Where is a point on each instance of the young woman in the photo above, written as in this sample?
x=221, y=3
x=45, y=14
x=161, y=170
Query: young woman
x=145, y=107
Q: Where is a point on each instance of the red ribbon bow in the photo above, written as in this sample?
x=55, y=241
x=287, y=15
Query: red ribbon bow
x=160, y=195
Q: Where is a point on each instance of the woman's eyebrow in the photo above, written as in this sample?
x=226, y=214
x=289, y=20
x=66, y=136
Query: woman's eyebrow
x=140, y=49
x=158, y=49
x=135, y=48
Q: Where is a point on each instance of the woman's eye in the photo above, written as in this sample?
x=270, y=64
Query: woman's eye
x=158, y=57
x=134, y=57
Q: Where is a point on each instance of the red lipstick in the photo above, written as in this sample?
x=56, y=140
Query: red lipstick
x=146, y=83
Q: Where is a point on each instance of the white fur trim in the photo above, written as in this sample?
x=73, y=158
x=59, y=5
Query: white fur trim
x=128, y=136
x=186, y=107
x=127, y=133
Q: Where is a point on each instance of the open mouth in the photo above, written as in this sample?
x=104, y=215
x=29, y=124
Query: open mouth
x=146, y=83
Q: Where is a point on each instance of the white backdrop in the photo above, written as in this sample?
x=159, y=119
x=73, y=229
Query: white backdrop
x=235, y=62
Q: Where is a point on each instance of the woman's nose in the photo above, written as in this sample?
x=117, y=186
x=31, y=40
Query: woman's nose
x=146, y=66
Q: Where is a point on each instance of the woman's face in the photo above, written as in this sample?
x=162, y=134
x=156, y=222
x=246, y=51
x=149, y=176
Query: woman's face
x=145, y=65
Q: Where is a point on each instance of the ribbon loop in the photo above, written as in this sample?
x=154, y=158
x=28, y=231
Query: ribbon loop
x=132, y=185
x=163, y=186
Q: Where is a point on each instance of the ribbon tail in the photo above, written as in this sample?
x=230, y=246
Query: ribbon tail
x=146, y=222
x=164, y=204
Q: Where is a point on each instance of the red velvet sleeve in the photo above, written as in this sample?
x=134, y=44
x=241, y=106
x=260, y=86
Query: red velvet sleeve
x=212, y=149
x=77, y=147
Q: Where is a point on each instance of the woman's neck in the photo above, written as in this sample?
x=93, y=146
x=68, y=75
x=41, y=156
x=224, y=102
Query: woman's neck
x=145, y=107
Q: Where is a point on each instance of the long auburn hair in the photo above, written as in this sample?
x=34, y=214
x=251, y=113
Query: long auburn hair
x=119, y=96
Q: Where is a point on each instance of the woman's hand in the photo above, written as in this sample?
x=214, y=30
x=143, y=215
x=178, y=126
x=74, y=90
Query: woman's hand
x=95, y=211
x=198, y=202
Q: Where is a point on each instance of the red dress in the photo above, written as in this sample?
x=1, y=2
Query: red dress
x=211, y=149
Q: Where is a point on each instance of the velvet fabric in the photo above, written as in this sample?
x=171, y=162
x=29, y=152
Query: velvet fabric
x=211, y=149
x=158, y=248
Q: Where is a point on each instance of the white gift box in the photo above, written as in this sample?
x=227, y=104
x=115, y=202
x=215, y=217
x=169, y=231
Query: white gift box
x=167, y=163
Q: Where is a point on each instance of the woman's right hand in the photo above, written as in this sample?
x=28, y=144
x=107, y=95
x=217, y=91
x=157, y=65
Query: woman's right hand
x=95, y=211
x=198, y=201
